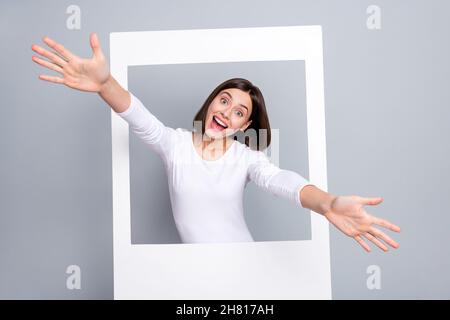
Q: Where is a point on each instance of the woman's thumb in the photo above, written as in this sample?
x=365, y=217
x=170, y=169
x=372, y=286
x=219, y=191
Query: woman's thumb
x=95, y=45
x=371, y=201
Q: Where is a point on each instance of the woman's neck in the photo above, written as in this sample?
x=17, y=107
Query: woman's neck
x=214, y=145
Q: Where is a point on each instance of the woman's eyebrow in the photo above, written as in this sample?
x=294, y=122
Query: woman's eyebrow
x=232, y=99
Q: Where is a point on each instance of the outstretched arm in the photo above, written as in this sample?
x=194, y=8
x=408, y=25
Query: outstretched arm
x=148, y=128
x=93, y=75
x=347, y=214
x=279, y=182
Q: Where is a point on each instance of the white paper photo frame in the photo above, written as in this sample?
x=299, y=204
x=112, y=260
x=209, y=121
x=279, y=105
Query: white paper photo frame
x=245, y=270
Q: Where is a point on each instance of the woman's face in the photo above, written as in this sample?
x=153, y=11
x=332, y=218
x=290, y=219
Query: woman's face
x=228, y=112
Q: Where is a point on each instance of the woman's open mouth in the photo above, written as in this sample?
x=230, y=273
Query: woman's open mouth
x=217, y=124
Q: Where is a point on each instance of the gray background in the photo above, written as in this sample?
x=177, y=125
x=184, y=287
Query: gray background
x=387, y=115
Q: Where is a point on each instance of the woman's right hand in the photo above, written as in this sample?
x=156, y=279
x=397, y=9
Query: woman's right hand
x=78, y=73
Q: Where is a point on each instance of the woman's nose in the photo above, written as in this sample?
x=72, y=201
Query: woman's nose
x=222, y=113
x=226, y=113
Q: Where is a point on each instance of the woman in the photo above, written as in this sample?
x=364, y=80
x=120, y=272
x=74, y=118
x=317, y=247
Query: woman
x=207, y=169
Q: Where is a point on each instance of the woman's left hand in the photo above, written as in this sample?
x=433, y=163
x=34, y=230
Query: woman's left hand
x=347, y=213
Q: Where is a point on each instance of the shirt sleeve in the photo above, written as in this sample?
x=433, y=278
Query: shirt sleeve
x=148, y=128
x=277, y=181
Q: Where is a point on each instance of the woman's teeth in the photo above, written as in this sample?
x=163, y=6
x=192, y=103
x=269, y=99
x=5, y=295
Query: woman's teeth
x=223, y=125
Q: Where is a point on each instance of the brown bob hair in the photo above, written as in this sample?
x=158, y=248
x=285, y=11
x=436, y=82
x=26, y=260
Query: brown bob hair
x=259, y=117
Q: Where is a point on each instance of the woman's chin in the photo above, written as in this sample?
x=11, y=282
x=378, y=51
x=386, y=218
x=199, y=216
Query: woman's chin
x=218, y=134
x=214, y=134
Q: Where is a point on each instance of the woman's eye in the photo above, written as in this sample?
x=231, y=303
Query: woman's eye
x=240, y=114
x=223, y=100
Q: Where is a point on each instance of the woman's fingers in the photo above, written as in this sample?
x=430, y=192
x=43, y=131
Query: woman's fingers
x=49, y=55
x=59, y=48
x=386, y=224
x=381, y=235
x=95, y=45
x=51, y=78
x=377, y=242
x=48, y=64
x=362, y=243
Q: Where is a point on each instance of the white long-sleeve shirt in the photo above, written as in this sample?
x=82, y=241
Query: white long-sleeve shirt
x=207, y=195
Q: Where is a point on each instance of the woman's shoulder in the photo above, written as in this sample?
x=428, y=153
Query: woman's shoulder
x=182, y=131
x=248, y=154
x=174, y=137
